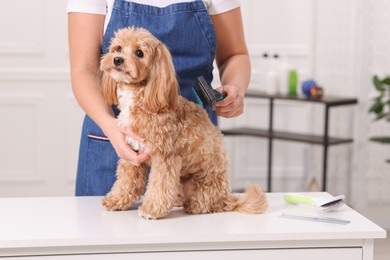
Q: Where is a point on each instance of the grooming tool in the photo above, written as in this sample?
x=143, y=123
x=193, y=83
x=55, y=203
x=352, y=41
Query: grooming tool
x=315, y=218
x=205, y=94
x=323, y=204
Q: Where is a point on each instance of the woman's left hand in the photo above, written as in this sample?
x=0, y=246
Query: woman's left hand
x=233, y=103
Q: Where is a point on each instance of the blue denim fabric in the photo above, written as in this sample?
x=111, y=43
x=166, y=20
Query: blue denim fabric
x=188, y=32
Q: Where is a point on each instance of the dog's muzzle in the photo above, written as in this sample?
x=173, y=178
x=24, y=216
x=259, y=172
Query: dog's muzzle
x=118, y=61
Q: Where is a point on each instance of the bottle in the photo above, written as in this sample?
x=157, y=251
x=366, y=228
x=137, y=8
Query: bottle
x=263, y=66
x=293, y=83
x=284, y=70
x=273, y=82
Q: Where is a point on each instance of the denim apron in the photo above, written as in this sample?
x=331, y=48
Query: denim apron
x=187, y=31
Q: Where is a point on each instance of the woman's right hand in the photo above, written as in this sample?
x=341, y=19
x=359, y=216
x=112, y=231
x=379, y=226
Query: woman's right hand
x=117, y=136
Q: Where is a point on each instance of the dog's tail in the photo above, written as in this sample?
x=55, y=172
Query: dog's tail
x=253, y=201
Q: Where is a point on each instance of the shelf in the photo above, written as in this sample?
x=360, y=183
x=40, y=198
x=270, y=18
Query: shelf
x=328, y=100
x=323, y=140
x=287, y=136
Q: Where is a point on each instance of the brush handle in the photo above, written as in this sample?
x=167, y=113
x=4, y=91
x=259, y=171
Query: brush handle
x=218, y=95
x=298, y=199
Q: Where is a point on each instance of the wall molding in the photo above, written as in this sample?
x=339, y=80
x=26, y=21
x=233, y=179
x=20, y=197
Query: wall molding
x=21, y=48
x=7, y=96
x=20, y=177
x=36, y=75
x=24, y=33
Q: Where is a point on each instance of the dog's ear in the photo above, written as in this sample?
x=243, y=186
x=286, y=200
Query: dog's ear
x=162, y=89
x=108, y=87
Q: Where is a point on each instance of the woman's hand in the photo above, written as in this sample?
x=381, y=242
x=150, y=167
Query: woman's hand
x=233, y=103
x=117, y=136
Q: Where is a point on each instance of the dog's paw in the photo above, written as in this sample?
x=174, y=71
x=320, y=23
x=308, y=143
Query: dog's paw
x=178, y=202
x=150, y=211
x=113, y=203
x=145, y=215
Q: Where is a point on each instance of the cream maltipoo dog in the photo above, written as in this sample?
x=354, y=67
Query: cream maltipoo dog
x=187, y=152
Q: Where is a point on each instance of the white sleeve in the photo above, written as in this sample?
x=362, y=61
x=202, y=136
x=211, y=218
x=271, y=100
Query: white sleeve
x=221, y=6
x=87, y=6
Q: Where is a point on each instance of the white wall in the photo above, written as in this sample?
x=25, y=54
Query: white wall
x=375, y=38
x=40, y=118
x=340, y=43
x=284, y=28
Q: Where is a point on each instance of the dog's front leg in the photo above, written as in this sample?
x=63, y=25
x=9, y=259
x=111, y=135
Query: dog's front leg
x=163, y=187
x=128, y=187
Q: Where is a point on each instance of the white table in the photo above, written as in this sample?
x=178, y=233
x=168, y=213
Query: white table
x=79, y=228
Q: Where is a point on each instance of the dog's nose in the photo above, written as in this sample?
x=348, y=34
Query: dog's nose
x=118, y=61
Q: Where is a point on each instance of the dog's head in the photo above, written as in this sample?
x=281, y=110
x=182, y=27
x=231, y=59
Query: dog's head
x=138, y=59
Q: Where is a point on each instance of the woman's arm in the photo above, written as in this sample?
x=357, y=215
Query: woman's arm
x=85, y=40
x=233, y=62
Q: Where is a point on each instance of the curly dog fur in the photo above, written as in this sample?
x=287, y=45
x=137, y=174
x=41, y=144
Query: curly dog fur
x=187, y=152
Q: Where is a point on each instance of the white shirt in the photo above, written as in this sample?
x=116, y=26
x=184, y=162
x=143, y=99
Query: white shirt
x=105, y=6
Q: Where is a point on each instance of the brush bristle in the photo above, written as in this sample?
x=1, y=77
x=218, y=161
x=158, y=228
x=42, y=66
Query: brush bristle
x=197, y=98
x=331, y=203
x=331, y=206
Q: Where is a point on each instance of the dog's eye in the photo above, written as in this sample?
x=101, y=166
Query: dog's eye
x=119, y=49
x=139, y=53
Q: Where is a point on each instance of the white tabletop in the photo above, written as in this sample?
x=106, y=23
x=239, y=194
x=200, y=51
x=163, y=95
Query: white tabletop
x=75, y=221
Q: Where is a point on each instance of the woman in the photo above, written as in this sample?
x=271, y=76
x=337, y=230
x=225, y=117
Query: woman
x=196, y=33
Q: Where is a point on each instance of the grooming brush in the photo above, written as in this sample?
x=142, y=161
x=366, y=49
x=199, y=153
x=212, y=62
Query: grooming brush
x=323, y=204
x=205, y=94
